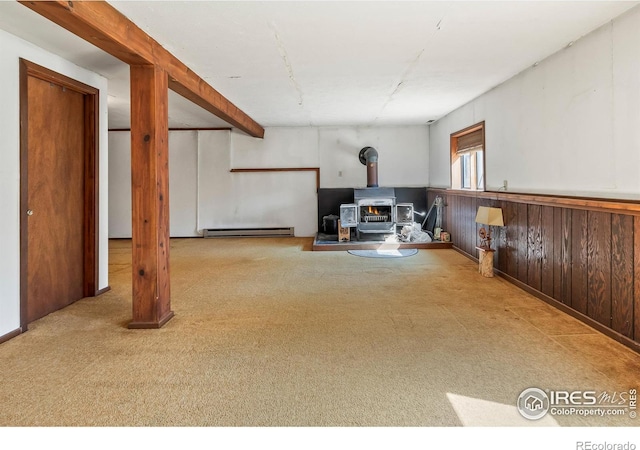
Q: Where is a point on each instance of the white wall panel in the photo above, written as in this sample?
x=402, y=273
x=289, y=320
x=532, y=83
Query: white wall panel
x=281, y=147
x=262, y=199
x=339, y=163
x=120, y=184
x=626, y=103
x=200, y=167
x=403, y=156
x=565, y=126
x=215, y=189
x=183, y=183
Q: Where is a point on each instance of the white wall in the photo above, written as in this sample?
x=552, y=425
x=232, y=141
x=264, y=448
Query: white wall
x=273, y=199
x=567, y=126
x=120, y=184
x=215, y=188
x=213, y=197
x=14, y=48
x=183, y=183
x=403, y=156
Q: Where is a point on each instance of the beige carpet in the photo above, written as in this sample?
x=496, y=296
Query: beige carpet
x=269, y=333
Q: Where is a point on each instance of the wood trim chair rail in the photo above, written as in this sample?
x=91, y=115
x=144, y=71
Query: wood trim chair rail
x=586, y=203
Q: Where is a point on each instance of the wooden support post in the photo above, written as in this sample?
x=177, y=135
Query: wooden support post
x=150, y=197
x=485, y=261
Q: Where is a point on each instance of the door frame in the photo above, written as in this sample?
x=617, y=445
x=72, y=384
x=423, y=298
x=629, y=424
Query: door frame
x=91, y=171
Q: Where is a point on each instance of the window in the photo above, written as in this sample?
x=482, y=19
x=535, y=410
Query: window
x=465, y=165
x=467, y=158
x=480, y=170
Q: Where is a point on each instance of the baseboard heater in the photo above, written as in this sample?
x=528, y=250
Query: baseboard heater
x=248, y=232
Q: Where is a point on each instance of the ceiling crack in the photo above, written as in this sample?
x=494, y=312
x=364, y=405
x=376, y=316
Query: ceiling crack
x=410, y=67
x=285, y=58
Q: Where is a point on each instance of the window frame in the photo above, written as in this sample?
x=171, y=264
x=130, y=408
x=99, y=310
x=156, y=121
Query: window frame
x=456, y=175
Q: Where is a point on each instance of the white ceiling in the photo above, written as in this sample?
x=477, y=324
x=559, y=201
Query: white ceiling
x=323, y=63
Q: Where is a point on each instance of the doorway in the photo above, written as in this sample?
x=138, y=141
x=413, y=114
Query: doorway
x=58, y=191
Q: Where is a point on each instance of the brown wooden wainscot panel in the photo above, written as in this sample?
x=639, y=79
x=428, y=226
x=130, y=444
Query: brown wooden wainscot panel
x=522, y=236
x=581, y=255
x=534, y=247
x=621, y=274
x=636, y=278
x=599, y=267
x=547, y=249
x=510, y=216
x=566, y=250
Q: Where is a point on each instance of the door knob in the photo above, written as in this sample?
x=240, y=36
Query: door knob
x=29, y=212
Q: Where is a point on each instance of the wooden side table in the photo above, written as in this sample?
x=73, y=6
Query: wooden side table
x=485, y=261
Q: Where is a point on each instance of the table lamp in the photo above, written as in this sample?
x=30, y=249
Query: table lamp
x=490, y=217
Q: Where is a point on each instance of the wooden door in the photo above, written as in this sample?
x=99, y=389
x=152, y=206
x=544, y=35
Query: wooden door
x=58, y=224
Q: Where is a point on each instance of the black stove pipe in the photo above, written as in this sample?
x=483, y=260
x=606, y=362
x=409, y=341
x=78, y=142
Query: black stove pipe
x=369, y=157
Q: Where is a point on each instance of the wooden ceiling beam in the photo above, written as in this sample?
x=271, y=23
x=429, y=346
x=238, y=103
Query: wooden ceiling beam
x=102, y=25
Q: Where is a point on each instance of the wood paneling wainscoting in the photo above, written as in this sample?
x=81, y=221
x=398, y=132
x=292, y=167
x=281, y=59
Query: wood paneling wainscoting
x=580, y=255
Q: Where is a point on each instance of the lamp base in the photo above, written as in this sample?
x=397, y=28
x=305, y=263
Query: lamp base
x=485, y=261
x=485, y=237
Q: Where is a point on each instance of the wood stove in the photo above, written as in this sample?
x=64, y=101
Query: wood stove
x=374, y=214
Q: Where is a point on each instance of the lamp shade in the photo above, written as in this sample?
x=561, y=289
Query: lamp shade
x=489, y=216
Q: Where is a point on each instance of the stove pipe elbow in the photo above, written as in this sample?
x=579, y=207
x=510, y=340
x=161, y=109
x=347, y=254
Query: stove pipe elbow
x=369, y=157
